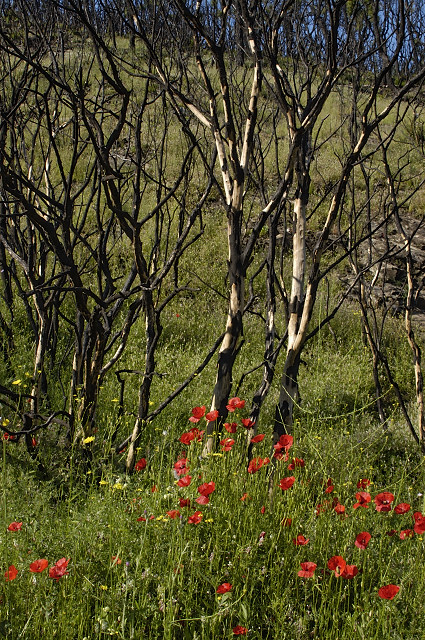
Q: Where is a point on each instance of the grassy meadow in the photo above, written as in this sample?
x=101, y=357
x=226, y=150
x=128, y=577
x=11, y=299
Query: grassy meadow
x=97, y=554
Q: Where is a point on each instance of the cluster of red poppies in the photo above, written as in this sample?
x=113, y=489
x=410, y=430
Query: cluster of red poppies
x=57, y=571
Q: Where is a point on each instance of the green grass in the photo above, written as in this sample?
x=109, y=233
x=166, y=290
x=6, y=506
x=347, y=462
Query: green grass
x=164, y=585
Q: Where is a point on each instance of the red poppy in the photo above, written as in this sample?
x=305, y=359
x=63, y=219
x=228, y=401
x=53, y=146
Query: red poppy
x=329, y=486
x=224, y=588
x=143, y=519
x=337, y=564
x=227, y=444
x=34, y=442
x=197, y=414
x=187, y=437
x=247, y=423
x=339, y=508
x=211, y=416
x=406, y=533
x=184, y=502
x=286, y=483
x=296, y=462
x=255, y=465
x=174, y=513
x=231, y=428
x=362, y=540
x=140, y=464
x=419, y=527
x=202, y=500
x=403, y=507
x=284, y=443
x=39, y=565
x=207, y=488
x=14, y=526
x=184, y=481
x=300, y=541
x=383, y=501
x=7, y=436
x=235, y=403
x=263, y=510
x=258, y=438
x=11, y=573
x=59, y=569
x=181, y=467
x=388, y=591
x=392, y=532
x=240, y=631
x=363, y=483
x=114, y=559
x=363, y=498
x=350, y=571
x=286, y=522
x=244, y=497
x=307, y=569
x=195, y=518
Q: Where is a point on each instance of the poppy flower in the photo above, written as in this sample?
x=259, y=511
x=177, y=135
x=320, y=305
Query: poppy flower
x=362, y=540
x=224, y=588
x=307, y=569
x=350, y=571
x=263, y=510
x=388, y=591
x=364, y=483
x=181, y=467
x=11, y=573
x=329, y=486
x=392, y=532
x=173, y=513
x=184, y=502
x=140, y=464
x=202, y=500
x=197, y=414
x=143, y=519
x=230, y=428
x=227, y=444
x=235, y=403
x=187, y=437
x=286, y=522
x=211, y=416
x=363, y=498
x=403, y=507
x=383, y=501
x=184, y=481
x=207, y=488
x=244, y=497
x=114, y=559
x=240, y=631
x=39, y=565
x=255, y=465
x=286, y=483
x=195, y=518
x=59, y=569
x=14, y=526
x=339, y=508
x=247, y=423
x=284, y=443
x=258, y=438
x=406, y=533
x=337, y=564
x=296, y=462
x=419, y=527
x=300, y=541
